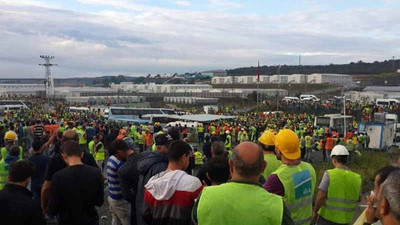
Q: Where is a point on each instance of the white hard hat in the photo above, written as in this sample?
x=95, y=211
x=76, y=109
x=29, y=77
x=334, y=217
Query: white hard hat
x=227, y=132
x=339, y=150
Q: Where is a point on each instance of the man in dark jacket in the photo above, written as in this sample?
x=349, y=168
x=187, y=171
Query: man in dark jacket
x=129, y=178
x=152, y=164
x=16, y=204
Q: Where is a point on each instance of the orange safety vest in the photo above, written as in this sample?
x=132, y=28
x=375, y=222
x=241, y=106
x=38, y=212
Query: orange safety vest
x=329, y=143
x=149, y=139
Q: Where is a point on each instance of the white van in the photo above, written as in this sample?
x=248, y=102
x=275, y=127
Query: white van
x=309, y=97
x=290, y=99
x=386, y=102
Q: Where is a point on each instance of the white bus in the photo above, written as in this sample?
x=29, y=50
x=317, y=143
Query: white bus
x=7, y=105
x=122, y=113
x=73, y=109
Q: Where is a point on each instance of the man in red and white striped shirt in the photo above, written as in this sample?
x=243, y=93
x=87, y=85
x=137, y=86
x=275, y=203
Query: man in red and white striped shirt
x=170, y=195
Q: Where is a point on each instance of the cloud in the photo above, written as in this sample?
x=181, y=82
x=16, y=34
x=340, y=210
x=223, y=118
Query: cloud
x=183, y=3
x=127, y=37
x=226, y=3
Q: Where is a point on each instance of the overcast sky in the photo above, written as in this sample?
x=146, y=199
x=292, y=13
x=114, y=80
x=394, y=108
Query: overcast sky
x=136, y=37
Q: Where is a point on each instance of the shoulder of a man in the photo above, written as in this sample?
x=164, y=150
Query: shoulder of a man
x=54, y=165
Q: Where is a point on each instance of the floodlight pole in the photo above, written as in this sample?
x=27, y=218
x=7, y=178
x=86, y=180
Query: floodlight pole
x=49, y=83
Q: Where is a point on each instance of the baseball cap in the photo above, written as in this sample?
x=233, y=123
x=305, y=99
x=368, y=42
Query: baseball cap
x=163, y=139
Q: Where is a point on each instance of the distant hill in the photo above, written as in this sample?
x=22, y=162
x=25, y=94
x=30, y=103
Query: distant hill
x=387, y=66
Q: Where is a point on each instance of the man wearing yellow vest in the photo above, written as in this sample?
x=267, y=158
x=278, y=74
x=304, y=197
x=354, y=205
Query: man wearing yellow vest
x=267, y=144
x=338, y=193
x=294, y=180
x=229, y=203
x=200, y=134
x=82, y=137
x=228, y=140
x=198, y=160
x=5, y=163
x=99, y=152
x=10, y=139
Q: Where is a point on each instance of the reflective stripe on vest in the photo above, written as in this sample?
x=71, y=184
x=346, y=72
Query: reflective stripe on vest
x=266, y=208
x=343, y=193
x=299, y=184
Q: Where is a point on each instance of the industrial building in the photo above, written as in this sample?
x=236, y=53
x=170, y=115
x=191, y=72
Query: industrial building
x=191, y=100
x=316, y=78
x=102, y=100
x=323, y=78
x=129, y=87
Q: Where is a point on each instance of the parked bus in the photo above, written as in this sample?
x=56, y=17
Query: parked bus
x=7, y=105
x=122, y=113
x=73, y=109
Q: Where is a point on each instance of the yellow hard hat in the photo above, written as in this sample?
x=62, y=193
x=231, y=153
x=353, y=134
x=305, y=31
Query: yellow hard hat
x=11, y=135
x=287, y=142
x=267, y=138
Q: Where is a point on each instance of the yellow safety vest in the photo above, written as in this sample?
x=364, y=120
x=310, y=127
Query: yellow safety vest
x=266, y=208
x=198, y=158
x=299, y=184
x=343, y=194
x=100, y=154
x=272, y=164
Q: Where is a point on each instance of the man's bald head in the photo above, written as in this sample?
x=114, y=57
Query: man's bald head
x=69, y=135
x=248, y=159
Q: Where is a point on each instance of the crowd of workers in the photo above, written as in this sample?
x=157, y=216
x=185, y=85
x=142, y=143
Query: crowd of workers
x=253, y=170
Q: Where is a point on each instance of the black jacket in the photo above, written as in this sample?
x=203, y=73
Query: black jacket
x=18, y=208
x=154, y=163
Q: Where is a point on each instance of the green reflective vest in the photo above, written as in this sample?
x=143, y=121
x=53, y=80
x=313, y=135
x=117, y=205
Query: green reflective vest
x=91, y=148
x=350, y=145
x=308, y=141
x=272, y=164
x=266, y=208
x=299, y=183
x=198, y=158
x=228, y=141
x=4, y=153
x=4, y=171
x=100, y=154
x=200, y=129
x=343, y=194
x=82, y=139
x=61, y=129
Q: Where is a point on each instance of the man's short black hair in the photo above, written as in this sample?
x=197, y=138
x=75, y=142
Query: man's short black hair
x=20, y=171
x=71, y=148
x=118, y=145
x=14, y=150
x=218, y=169
x=177, y=149
x=37, y=144
x=218, y=147
x=342, y=159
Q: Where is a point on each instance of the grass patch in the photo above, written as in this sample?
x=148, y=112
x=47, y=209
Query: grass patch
x=365, y=165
